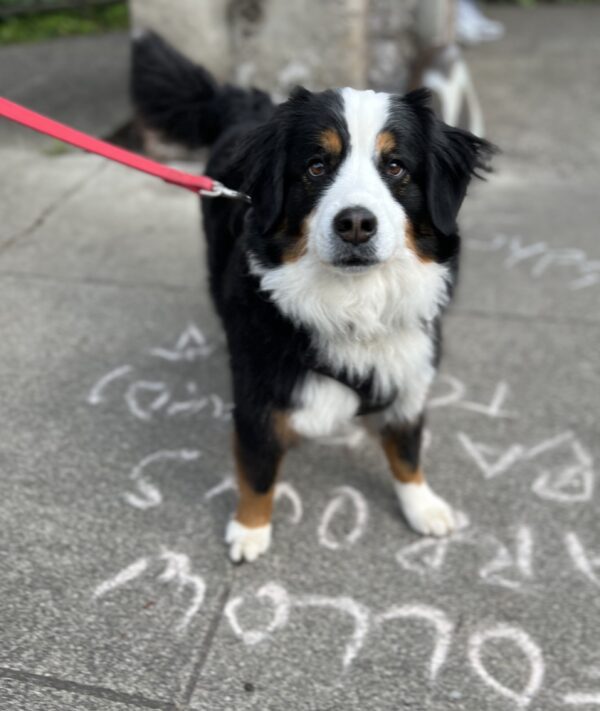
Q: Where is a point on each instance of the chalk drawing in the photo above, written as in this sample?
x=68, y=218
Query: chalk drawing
x=225, y=485
x=191, y=406
x=590, y=275
x=559, y=257
x=582, y=561
x=456, y=391
x=282, y=604
x=510, y=570
x=136, y=391
x=574, y=484
x=283, y=490
x=148, y=494
x=571, y=484
x=496, y=572
x=548, y=444
x=542, y=257
x=424, y=556
x=494, y=244
x=343, y=494
x=494, y=409
x=191, y=345
x=177, y=570
x=221, y=410
x=529, y=649
x=96, y=394
x=492, y=461
x=580, y=699
x=348, y=606
x=432, y=615
x=456, y=396
x=280, y=601
x=518, y=253
x=131, y=572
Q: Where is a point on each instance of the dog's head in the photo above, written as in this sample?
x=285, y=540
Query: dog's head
x=356, y=178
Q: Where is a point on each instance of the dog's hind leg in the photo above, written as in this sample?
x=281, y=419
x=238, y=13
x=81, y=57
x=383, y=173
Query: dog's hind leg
x=258, y=450
x=425, y=511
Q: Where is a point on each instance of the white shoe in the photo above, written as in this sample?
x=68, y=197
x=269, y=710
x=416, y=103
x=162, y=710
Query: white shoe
x=473, y=27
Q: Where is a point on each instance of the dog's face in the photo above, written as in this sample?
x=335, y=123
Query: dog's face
x=355, y=178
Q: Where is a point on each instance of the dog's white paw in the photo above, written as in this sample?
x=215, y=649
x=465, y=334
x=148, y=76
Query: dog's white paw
x=247, y=543
x=426, y=512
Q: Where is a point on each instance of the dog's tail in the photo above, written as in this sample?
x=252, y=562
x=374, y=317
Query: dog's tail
x=182, y=100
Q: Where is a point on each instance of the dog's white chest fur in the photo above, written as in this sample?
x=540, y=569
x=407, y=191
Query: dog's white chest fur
x=376, y=323
x=401, y=362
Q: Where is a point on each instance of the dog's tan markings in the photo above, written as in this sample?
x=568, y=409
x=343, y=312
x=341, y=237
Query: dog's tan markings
x=402, y=470
x=331, y=141
x=295, y=250
x=413, y=244
x=253, y=509
x=385, y=143
x=298, y=244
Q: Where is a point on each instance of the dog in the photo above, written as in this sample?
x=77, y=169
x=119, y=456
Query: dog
x=332, y=283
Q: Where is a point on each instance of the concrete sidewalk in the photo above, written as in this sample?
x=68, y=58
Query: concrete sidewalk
x=115, y=590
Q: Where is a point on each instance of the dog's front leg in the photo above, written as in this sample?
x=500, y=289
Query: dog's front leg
x=425, y=511
x=258, y=451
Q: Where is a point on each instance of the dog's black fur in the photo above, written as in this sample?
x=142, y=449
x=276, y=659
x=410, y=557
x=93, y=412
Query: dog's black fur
x=263, y=150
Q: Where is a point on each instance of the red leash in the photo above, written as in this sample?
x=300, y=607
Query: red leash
x=201, y=184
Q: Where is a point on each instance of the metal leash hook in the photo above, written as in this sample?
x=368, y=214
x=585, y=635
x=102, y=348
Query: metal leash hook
x=219, y=190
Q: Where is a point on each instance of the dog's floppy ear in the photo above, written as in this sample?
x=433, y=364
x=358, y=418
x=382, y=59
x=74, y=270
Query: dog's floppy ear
x=261, y=160
x=455, y=156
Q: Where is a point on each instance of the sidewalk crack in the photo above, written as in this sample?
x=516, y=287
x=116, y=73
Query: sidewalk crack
x=205, y=648
x=50, y=209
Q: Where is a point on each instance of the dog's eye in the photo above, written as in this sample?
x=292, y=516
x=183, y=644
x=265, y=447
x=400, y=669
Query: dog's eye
x=316, y=167
x=394, y=168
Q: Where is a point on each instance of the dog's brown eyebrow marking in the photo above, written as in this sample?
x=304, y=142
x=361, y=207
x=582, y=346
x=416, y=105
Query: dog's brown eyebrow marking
x=385, y=142
x=331, y=141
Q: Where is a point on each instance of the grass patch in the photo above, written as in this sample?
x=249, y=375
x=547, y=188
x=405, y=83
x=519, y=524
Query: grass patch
x=63, y=23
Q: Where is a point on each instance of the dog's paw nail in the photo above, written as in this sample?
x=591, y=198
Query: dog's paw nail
x=247, y=543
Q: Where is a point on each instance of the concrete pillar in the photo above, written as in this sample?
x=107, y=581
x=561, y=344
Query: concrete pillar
x=276, y=44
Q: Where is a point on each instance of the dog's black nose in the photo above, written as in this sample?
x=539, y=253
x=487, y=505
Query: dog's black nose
x=355, y=225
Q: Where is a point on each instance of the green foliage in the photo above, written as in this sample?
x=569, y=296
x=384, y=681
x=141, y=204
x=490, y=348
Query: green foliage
x=46, y=25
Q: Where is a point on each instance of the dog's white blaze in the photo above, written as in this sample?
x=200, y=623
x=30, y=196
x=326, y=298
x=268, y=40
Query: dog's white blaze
x=369, y=322
x=358, y=182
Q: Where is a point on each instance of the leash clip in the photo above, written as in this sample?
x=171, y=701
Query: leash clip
x=219, y=190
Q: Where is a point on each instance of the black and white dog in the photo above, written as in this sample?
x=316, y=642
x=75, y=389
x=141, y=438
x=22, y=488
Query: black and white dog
x=332, y=283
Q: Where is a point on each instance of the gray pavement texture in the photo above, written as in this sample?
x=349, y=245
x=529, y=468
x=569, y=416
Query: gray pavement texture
x=115, y=590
